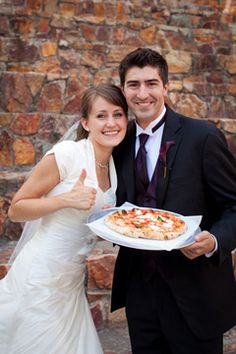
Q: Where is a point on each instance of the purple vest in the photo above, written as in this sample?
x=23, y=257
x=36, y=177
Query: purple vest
x=146, y=196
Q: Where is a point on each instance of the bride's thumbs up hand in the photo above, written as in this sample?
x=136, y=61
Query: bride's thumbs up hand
x=81, y=196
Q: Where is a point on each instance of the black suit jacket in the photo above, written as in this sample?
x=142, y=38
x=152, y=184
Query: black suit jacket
x=200, y=180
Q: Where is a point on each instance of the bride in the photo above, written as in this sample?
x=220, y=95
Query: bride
x=43, y=306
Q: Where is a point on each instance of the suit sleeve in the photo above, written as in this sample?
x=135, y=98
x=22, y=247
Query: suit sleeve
x=219, y=168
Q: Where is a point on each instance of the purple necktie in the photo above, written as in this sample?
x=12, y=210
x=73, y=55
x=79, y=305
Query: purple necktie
x=140, y=161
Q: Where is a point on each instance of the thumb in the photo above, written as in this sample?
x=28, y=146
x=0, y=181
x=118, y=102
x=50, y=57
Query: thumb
x=82, y=176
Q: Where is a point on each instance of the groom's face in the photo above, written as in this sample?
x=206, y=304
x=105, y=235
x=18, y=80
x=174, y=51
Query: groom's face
x=144, y=92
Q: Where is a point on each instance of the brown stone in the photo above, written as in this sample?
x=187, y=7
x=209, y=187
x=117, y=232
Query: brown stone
x=97, y=315
x=175, y=39
x=179, y=62
x=100, y=271
x=49, y=49
x=20, y=68
x=4, y=24
x=69, y=59
x=50, y=99
x=17, y=94
x=229, y=125
x=103, y=34
x=88, y=31
x=24, y=151
x=73, y=87
x=230, y=106
x=5, y=149
x=102, y=76
x=120, y=13
x=58, y=21
x=118, y=53
x=189, y=105
x=148, y=34
x=35, y=5
x=93, y=59
x=5, y=119
x=118, y=35
x=26, y=124
x=99, y=10
x=22, y=25
x=43, y=25
x=216, y=107
x=3, y=271
x=203, y=36
x=231, y=64
x=67, y=10
x=22, y=51
x=73, y=106
x=35, y=83
x=12, y=230
x=49, y=65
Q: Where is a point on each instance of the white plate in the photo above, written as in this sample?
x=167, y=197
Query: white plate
x=97, y=225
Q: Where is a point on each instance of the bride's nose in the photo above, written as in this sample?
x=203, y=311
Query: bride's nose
x=110, y=121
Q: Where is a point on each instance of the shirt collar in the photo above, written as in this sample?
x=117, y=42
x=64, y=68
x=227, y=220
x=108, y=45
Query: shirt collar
x=148, y=130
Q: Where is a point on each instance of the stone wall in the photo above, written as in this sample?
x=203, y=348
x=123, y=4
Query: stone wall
x=51, y=50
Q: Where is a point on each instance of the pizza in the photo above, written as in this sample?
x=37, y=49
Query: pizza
x=146, y=223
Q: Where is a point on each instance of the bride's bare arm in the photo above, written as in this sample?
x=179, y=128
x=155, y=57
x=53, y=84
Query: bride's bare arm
x=29, y=204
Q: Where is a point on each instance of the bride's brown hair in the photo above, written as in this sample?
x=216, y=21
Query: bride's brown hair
x=111, y=93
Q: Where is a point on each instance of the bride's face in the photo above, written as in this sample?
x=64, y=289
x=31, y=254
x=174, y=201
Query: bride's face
x=106, y=123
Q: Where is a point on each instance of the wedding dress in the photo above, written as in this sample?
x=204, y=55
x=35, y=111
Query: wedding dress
x=43, y=306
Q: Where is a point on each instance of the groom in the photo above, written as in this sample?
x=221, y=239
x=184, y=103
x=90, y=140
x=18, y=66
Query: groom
x=177, y=302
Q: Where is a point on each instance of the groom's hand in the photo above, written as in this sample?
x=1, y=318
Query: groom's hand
x=204, y=243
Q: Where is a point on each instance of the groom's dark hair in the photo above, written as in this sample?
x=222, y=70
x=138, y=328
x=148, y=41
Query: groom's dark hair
x=142, y=57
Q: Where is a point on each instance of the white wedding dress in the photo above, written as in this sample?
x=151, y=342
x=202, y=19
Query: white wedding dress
x=43, y=306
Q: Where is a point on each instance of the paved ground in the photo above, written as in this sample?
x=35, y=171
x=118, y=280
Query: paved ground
x=116, y=340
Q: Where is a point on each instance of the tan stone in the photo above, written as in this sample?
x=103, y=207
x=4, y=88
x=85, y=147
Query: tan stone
x=5, y=119
x=117, y=316
x=118, y=53
x=231, y=64
x=148, y=34
x=67, y=10
x=189, y=105
x=179, y=62
x=176, y=85
x=49, y=65
x=5, y=158
x=49, y=49
x=23, y=151
x=26, y=124
x=93, y=59
x=20, y=68
x=229, y=125
x=99, y=10
x=203, y=35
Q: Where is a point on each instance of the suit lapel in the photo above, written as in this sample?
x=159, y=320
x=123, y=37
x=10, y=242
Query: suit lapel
x=172, y=132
